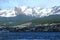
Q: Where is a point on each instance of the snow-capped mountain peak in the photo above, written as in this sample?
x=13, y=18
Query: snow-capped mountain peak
x=29, y=11
x=7, y=13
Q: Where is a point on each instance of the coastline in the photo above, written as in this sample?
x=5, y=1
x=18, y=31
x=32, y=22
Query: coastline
x=54, y=27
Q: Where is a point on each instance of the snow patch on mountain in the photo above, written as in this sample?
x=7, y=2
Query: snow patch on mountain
x=28, y=11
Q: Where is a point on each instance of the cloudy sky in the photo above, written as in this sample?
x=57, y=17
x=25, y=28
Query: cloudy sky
x=8, y=4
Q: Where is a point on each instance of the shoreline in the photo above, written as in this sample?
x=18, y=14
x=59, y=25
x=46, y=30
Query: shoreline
x=54, y=27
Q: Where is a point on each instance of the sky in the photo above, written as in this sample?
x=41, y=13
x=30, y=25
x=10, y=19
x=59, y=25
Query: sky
x=9, y=4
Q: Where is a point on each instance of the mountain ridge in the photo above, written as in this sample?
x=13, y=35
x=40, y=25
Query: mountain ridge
x=22, y=14
x=28, y=11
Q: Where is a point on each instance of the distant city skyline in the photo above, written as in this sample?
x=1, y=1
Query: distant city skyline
x=9, y=4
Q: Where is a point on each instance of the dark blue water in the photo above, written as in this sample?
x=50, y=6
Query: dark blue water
x=6, y=35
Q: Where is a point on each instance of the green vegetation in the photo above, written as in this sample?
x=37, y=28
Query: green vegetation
x=46, y=20
x=9, y=23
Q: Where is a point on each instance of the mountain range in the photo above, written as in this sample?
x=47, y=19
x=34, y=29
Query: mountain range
x=24, y=13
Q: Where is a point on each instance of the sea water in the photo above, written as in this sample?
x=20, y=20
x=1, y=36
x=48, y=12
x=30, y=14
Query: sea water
x=6, y=35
